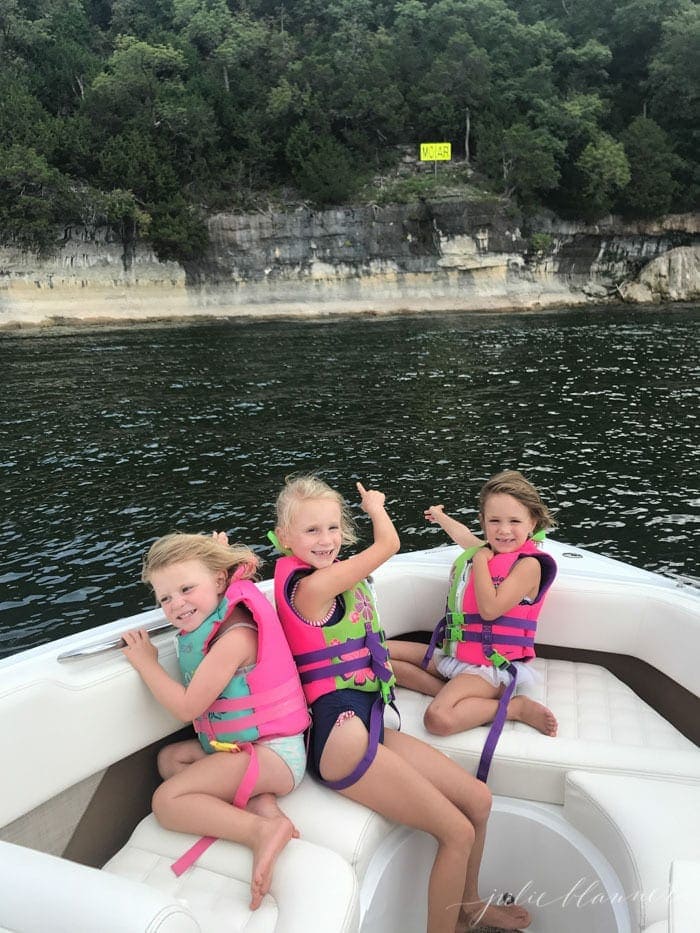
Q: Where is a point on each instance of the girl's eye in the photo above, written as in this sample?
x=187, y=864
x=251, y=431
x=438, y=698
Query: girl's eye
x=163, y=600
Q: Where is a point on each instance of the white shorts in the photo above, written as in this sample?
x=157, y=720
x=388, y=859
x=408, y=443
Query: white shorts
x=449, y=667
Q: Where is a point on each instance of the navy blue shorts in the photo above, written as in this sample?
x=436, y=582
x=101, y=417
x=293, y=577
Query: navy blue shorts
x=324, y=715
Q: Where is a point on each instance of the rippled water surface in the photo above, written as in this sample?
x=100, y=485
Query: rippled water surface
x=111, y=438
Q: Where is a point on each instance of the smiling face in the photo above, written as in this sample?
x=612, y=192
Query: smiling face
x=188, y=592
x=314, y=533
x=506, y=523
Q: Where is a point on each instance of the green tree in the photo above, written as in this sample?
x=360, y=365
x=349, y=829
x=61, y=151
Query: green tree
x=526, y=157
x=320, y=166
x=674, y=79
x=35, y=200
x=604, y=171
x=652, y=187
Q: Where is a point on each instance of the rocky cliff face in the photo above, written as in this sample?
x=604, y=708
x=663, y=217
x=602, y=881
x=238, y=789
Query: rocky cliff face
x=452, y=253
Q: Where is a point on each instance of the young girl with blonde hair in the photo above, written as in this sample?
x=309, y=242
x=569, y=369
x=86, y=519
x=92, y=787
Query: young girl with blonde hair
x=327, y=608
x=233, y=656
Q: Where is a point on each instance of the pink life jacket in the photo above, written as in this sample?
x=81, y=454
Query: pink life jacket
x=269, y=696
x=350, y=653
x=265, y=701
x=469, y=637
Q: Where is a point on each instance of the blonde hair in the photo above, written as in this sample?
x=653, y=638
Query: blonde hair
x=301, y=487
x=513, y=483
x=236, y=559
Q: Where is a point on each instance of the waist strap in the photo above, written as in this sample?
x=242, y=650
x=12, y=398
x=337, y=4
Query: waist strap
x=373, y=656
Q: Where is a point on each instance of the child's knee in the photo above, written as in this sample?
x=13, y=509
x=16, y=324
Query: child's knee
x=481, y=802
x=166, y=761
x=461, y=834
x=161, y=803
x=437, y=719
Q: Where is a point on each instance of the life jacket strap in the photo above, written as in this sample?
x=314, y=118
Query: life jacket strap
x=374, y=657
x=241, y=798
x=375, y=724
x=438, y=636
x=498, y=722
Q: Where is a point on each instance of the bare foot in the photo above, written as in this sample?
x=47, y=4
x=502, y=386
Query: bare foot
x=266, y=805
x=534, y=714
x=273, y=837
x=511, y=917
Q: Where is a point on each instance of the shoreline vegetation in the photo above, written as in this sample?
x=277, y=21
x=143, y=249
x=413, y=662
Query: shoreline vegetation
x=149, y=118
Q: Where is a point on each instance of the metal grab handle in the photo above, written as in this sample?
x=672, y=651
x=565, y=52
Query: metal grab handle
x=87, y=651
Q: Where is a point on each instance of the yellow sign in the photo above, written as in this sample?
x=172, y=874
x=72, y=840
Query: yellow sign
x=435, y=152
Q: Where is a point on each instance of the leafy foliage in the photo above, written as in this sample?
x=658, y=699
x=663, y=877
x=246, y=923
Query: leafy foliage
x=148, y=113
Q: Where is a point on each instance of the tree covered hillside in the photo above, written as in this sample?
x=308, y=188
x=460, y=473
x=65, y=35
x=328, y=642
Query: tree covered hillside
x=146, y=114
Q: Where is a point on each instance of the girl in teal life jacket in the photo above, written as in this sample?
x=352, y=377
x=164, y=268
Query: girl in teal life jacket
x=240, y=689
x=497, y=588
x=329, y=614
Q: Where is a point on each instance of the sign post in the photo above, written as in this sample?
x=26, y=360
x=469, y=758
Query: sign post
x=435, y=152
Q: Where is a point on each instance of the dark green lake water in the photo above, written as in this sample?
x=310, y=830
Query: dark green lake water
x=111, y=438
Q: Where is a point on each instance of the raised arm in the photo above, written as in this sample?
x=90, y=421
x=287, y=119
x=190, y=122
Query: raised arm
x=459, y=533
x=318, y=589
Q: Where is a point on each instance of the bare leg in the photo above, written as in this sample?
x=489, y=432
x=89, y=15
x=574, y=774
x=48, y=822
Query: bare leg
x=173, y=758
x=406, y=657
x=468, y=701
x=420, y=804
x=473, y=798
x=198, y=800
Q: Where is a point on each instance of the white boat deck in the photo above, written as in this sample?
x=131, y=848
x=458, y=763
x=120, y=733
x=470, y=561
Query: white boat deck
x=563, y=807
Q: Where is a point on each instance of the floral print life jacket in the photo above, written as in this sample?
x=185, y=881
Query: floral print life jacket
x=350, y=653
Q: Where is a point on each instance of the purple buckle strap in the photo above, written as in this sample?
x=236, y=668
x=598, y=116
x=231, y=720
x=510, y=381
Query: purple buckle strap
x=496, y=726
x=437, y=636
x=375, y=724
x=330, y=651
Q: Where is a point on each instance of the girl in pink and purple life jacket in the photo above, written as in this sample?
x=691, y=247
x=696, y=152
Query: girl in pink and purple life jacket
x=240, y=689
x=330, y=616
x=480, y=649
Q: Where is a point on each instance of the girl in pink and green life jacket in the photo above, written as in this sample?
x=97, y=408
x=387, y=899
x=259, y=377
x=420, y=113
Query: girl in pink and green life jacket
x=497, y=588
x=329, y=614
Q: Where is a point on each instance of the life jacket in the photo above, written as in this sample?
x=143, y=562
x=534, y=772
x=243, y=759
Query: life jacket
x=351, y=653
x=264, y=701
x=465, y=635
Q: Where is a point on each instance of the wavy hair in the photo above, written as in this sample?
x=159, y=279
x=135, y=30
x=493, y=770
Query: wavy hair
x=513, y=483
x=236, y=559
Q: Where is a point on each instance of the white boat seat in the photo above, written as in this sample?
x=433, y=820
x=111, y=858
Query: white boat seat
x=641, y=826
x=603, y=727
x=40, y=892
x=313, y=888
x=325, y=818
x=683, y=903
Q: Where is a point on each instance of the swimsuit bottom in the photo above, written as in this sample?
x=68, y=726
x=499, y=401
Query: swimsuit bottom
x=325, y=712
x=292, y=750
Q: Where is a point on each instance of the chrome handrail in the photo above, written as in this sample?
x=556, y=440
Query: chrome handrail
x=87, y=651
